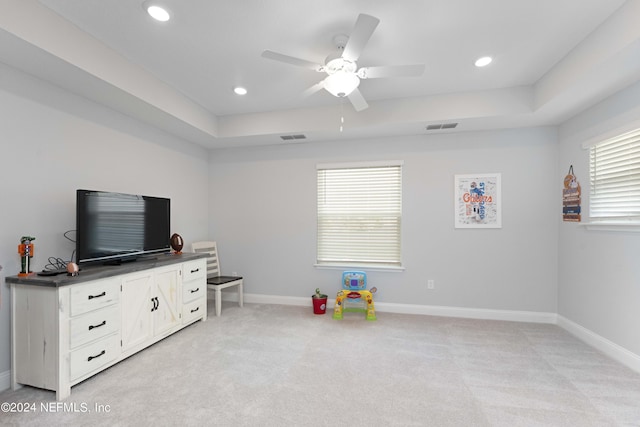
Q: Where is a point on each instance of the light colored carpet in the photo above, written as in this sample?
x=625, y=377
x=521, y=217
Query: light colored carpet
x=270, y=365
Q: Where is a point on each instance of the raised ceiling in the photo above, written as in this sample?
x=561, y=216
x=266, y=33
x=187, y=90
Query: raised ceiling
x=552, y=59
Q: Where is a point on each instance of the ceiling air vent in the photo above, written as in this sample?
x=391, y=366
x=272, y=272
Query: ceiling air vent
x=292, y=137
x=442, y=126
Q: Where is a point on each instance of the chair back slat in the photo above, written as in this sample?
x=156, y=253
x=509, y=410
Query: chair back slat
x=211, y=248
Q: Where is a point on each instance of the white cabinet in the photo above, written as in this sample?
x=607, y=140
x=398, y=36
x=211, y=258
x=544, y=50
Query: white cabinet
x=66, y=330
x=93, y=325
x=166, y=309
x=93, y=295
x=92, y=357
x=194, y=290
x=136, y=310
x=150, y=305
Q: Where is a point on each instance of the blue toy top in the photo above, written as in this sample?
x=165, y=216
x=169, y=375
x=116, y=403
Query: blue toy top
x=354, y=280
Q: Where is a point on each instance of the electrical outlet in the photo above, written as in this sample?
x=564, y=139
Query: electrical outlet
x=431, y=284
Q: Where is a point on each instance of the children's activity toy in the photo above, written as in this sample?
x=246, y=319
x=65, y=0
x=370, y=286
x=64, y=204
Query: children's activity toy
x=354, y=297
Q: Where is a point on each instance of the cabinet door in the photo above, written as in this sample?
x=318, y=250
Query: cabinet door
x=167, y=308
x=136, y=309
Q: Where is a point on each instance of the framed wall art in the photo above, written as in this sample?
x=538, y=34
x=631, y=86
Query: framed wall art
x=478, y=201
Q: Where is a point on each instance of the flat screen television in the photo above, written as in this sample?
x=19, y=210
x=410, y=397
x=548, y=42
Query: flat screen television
x=116, y=227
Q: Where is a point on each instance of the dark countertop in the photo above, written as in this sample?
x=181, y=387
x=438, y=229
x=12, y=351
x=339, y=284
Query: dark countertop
x=97, y=272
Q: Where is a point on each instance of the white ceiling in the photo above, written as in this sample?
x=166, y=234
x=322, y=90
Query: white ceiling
x=552, y=58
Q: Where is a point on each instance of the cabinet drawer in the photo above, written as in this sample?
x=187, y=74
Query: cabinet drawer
x=194, y=270
x=93, y=356
x=193, y=290
x=94, y=295
x=93, y=325
x=193, y=310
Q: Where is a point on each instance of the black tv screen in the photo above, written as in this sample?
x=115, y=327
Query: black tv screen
x=117, y=227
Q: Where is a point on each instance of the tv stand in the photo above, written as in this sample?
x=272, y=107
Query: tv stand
x=66, y=329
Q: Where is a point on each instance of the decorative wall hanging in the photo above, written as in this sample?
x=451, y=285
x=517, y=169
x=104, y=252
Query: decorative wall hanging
x=571, y=198
x=478, y=201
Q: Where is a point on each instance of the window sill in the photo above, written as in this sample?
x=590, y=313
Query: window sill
x=359, y=267
x=633, y=227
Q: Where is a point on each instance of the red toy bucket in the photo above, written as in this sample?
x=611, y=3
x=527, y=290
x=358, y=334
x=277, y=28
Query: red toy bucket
x=319, y=305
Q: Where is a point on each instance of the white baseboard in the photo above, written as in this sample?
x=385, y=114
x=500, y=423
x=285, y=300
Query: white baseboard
x=609, y=348
x=273, y=299
x=429, y=310
x=5, y=380
x=469, y=313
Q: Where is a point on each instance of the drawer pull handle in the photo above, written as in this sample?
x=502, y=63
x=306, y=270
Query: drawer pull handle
x=90, y=358
x=97, y=296
x=195, y=309
x=104, y=322
x=195, y=271
x=193, y=291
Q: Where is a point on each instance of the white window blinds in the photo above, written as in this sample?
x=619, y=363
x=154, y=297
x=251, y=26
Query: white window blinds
x=359, y=214
x=615, y=179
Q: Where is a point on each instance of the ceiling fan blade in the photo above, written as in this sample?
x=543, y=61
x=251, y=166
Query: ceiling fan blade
x=362, y=31
x=357, y=100
x=313, y=89
x=292, y=60
x=391, y=71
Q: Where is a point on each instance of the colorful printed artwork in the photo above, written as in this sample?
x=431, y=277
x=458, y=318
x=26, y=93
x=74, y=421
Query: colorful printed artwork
x=477, y=201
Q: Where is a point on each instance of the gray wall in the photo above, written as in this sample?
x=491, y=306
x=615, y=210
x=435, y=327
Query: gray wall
x=599, y=273
x=263, y=215
x=262, y=207
x=53, y=143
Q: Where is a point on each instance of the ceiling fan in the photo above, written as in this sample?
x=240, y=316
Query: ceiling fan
x=343, y=74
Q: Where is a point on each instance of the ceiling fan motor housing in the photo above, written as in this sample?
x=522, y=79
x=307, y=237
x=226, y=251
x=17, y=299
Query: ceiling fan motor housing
x=340, y=64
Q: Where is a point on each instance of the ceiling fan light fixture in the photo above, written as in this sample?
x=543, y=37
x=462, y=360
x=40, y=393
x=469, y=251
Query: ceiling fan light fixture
x=341, y=83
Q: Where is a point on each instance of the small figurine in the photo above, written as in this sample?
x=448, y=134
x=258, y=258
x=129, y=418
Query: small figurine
x=25, y=249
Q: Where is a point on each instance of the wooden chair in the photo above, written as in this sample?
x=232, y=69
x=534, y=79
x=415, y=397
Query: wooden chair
x=216, y=281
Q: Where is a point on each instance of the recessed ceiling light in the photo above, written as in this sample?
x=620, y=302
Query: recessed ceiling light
x=158, y=13
x=484, y=61
x=240, y=90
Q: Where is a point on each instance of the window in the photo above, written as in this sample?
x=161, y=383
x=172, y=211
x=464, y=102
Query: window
x=614, y=167
x=360, y=214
